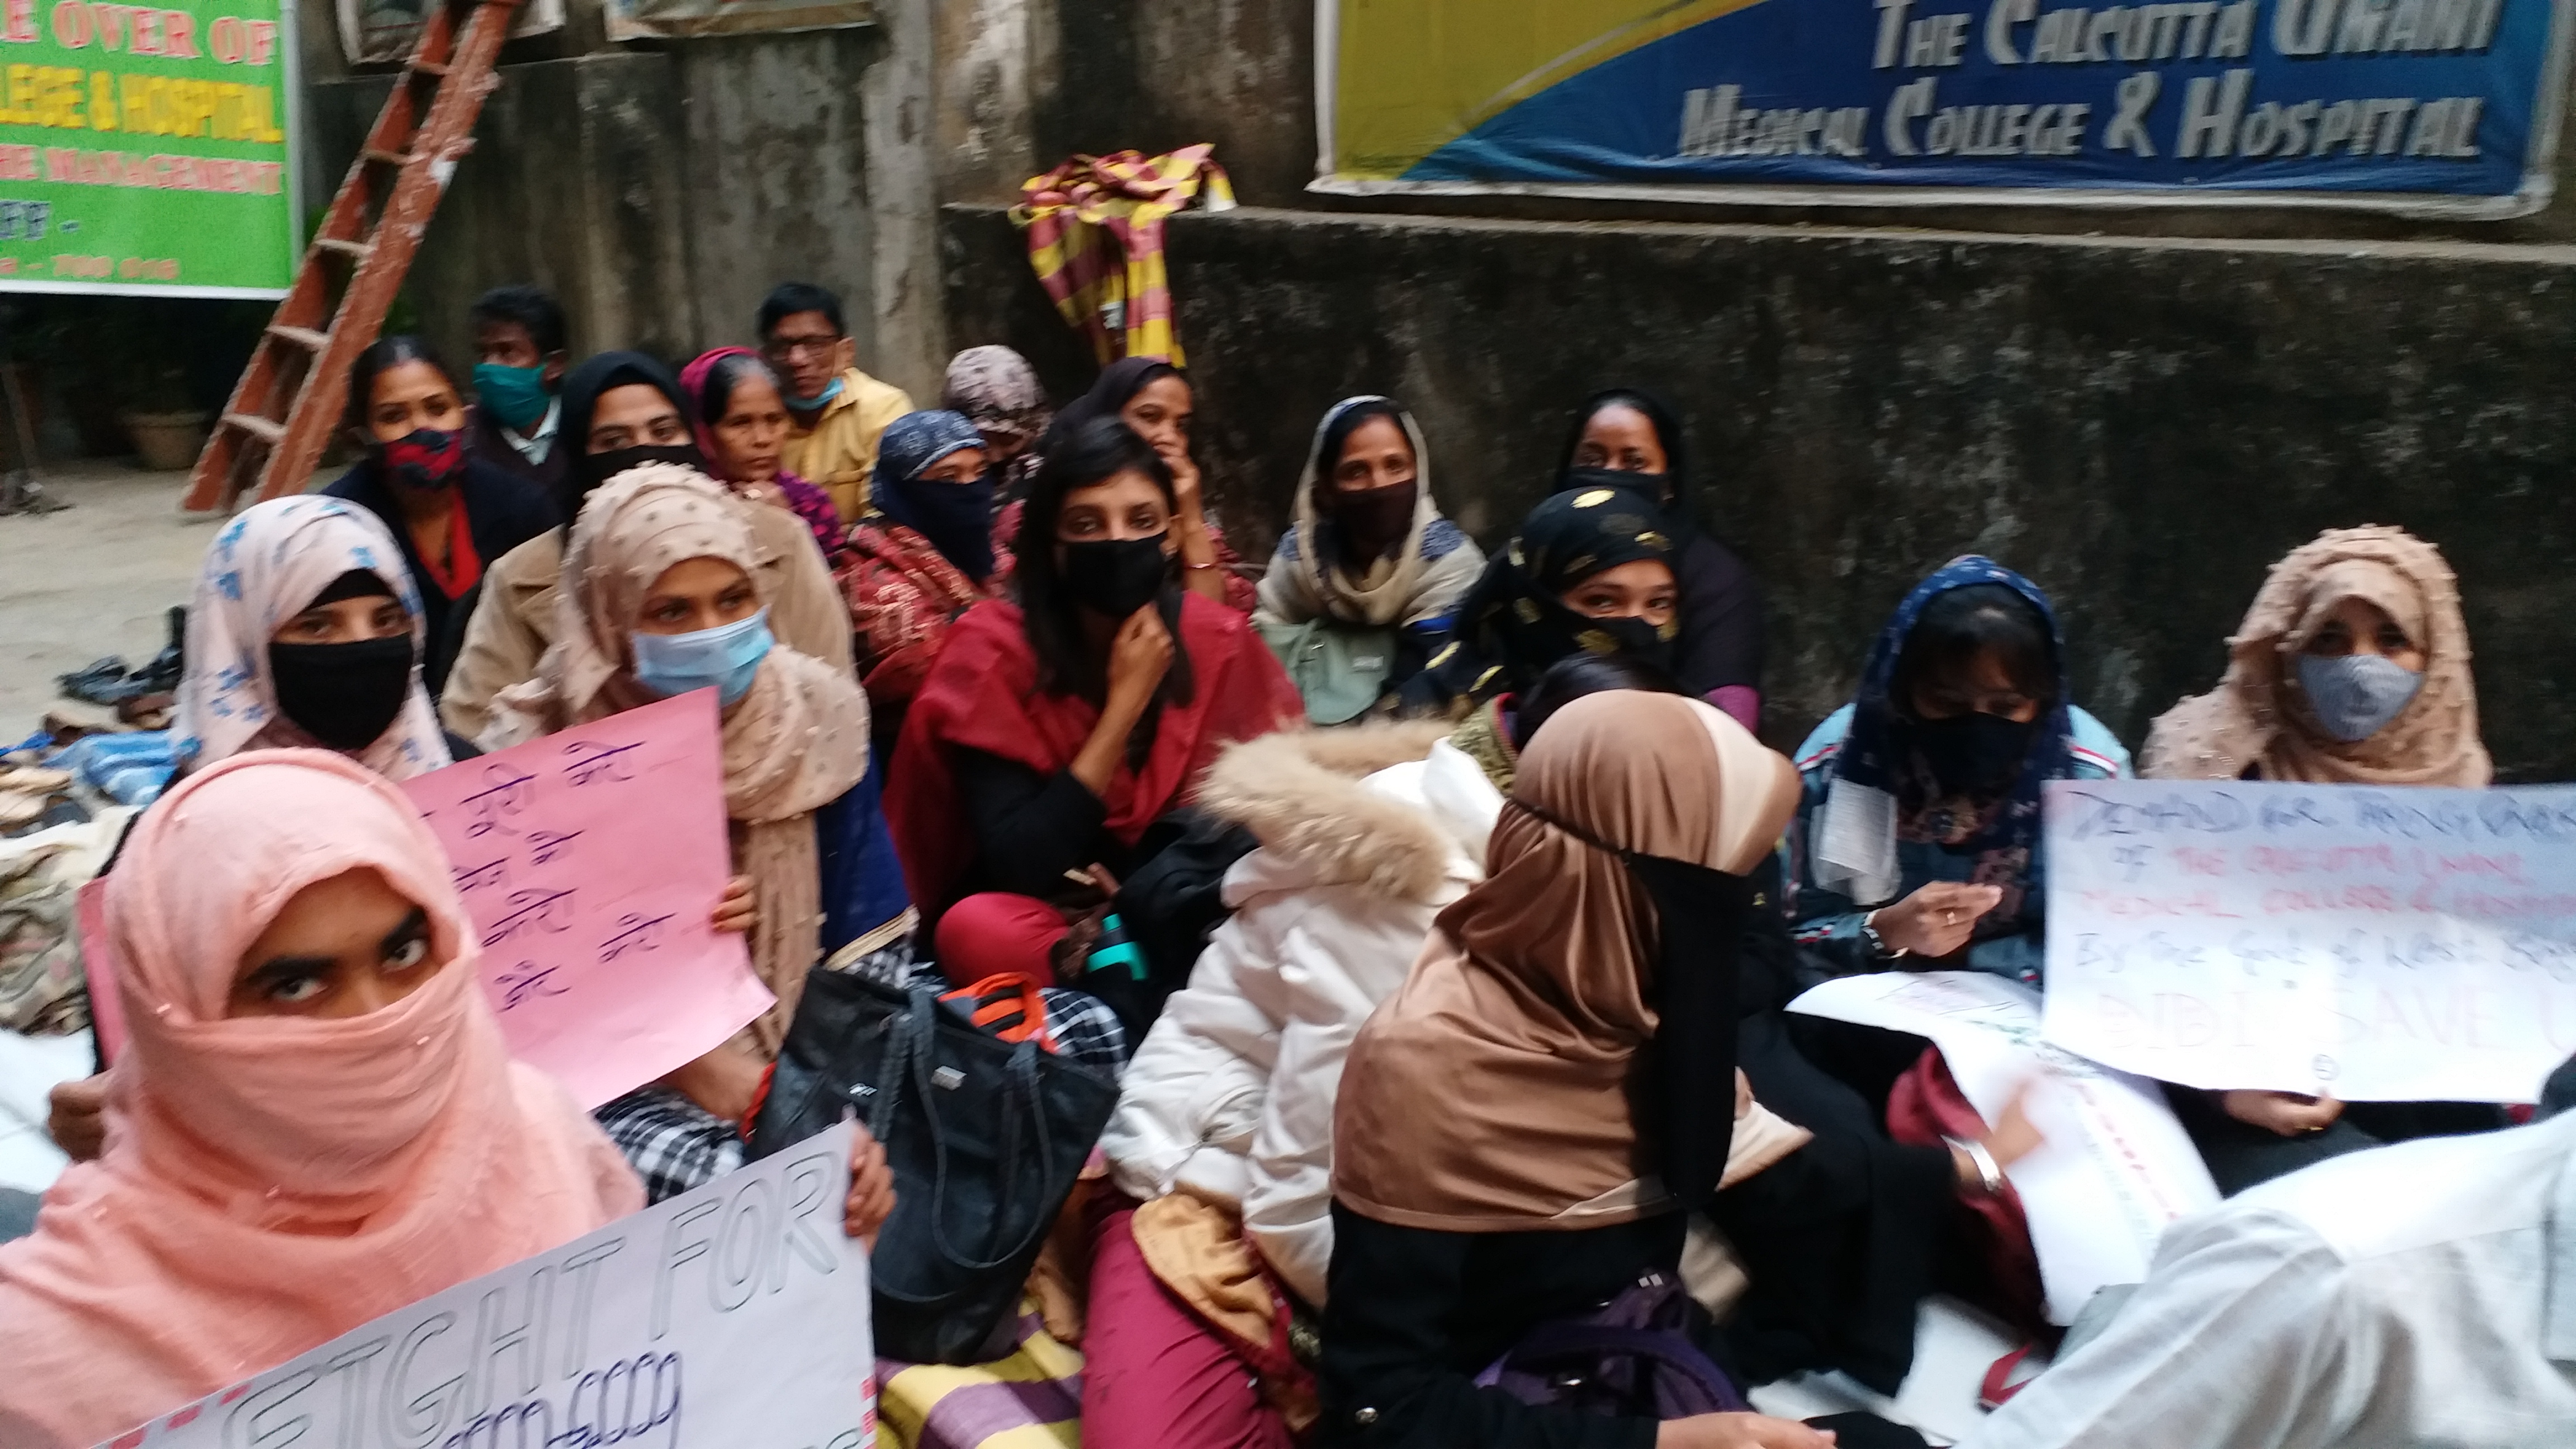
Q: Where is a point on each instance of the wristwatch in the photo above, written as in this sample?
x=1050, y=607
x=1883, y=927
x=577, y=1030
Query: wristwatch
x=1876, y=943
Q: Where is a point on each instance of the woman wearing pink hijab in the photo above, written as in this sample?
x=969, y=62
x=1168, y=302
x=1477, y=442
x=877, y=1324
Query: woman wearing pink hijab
x=315, y=1121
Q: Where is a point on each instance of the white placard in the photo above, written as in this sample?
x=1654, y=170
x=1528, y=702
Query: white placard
x=2376, y=945
x=2116, y=1168
x=735, y=1315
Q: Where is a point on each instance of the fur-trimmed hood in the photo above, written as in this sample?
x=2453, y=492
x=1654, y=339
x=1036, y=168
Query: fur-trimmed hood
x=1300, y=793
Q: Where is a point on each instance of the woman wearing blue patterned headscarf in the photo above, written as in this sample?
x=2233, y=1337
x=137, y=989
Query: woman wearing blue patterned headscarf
x=1918, y=843
x=306, y=631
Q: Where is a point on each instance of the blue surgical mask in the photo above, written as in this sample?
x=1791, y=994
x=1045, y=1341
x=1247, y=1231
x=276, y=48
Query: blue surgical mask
x=2355, y=695
x=515, y=395
x=725, y=658
x=815, y=403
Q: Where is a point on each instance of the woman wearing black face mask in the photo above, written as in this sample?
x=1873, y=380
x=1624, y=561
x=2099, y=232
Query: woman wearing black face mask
x=1589, y=571
x=451, y=514
x=297, y=640
x=1055, y=731
x=1626, y=438
x=1918, y=844
x=622, y=409
x=1366, y=582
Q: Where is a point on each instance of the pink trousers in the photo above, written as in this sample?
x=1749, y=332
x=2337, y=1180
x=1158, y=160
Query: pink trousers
x=1153, y=1375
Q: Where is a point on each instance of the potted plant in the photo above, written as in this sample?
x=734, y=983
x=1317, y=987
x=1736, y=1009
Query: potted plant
x=167, y=431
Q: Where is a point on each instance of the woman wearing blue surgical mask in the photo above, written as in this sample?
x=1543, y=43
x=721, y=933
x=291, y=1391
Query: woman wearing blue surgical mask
x=2351, y=668
x=661, y=595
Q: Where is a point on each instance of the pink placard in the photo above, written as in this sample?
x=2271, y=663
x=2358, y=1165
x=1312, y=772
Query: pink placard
x=591, y=862
x=98, y=963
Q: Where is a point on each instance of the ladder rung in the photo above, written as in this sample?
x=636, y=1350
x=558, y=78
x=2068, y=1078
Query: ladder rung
x=389, y=158
x=429, y=67
x=353, y=249
x=304, y=337
x=266, y=430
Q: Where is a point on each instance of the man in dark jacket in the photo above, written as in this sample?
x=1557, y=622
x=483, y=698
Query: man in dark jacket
x=519, y=360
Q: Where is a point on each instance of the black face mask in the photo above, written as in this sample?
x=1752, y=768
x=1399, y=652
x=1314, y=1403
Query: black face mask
x=1115, y=577
x=345, y=695
x=598, y=468
x=1373, y=521
x=1973, y=753
x=1636, y=639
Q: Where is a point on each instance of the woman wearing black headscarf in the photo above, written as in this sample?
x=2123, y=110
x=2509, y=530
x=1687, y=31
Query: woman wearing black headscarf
x=1626, y=438
x=1590, y=570
x=1152, y=397
x=621, y=410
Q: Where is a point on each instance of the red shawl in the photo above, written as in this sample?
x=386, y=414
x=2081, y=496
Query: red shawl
x=983, y=695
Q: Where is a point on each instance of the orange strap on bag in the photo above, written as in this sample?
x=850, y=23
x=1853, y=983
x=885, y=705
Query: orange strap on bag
x=999, y=998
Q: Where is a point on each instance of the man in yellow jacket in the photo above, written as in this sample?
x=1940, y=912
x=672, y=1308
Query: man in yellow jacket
x=835, y=412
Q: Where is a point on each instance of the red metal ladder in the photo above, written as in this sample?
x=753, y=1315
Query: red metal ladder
x=272, y=434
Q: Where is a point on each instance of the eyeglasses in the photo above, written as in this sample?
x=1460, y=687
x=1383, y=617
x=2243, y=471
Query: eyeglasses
x=788, y=349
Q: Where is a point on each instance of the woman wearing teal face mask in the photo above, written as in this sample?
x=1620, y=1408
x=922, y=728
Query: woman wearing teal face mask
x=660, y=595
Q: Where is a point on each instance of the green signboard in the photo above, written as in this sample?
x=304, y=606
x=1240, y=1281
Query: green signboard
x=144, y=150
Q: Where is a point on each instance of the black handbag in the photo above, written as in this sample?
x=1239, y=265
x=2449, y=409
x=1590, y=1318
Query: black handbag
x=986, y=1138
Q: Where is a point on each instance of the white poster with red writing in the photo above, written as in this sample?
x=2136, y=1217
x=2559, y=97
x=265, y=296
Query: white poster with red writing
x=2114, y=1168
x=2373, y=945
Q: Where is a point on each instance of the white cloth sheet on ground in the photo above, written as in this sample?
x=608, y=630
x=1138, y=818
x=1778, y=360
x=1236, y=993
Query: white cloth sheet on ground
x=30, y=1067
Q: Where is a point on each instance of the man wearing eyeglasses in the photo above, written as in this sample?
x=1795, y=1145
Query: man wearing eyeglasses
x=835, y=412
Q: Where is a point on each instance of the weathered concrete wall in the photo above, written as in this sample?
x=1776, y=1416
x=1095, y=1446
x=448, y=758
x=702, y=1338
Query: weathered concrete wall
x=661, y=192
x=2141, y=426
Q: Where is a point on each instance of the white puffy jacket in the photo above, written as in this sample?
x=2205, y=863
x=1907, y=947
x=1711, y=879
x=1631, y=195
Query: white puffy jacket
x=1365, y=834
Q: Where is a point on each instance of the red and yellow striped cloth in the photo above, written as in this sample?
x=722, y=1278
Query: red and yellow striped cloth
x=1095, y=228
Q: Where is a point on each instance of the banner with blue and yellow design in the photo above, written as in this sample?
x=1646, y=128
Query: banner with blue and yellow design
x=2448, y=106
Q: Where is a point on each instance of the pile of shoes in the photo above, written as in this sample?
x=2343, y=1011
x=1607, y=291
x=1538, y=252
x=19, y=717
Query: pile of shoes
x=141, y=697
x=33, y=796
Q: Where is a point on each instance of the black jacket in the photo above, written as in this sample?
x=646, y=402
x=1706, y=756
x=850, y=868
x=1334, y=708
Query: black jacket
x=483, y=439
x=501, y=512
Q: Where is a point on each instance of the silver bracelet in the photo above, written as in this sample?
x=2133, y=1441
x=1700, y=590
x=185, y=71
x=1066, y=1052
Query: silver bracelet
x=1990, y=1176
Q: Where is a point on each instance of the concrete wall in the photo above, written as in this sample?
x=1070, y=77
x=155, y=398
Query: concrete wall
x=661, y=191
x=2142, y=426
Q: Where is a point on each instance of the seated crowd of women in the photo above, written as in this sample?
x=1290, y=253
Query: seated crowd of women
x=1485, y=1029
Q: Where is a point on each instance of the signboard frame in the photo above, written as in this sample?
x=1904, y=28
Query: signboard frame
x=290, y=80
x=2537, y=187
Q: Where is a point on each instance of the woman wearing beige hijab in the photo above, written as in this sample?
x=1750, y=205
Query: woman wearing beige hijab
x=1522, y=1126
x=662, y=595
x=2352, y=668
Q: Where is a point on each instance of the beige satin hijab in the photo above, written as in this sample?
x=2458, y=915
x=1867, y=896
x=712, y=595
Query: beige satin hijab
x=1492, y=1092
x=2258, y=717
x=795, y=743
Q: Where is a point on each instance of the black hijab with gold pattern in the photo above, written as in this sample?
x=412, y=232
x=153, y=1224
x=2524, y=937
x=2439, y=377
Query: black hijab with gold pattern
x=1514, y=623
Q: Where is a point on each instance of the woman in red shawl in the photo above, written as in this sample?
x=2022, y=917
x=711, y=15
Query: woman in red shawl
x=1052, y=732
